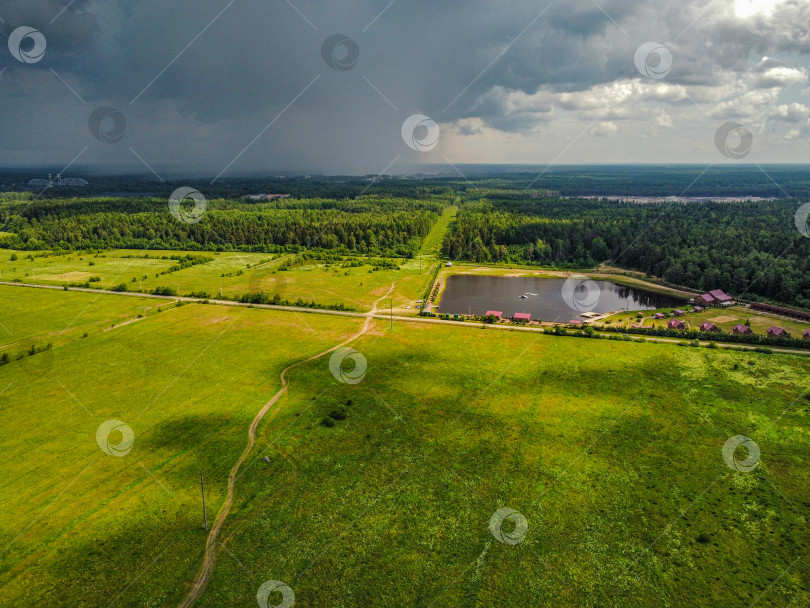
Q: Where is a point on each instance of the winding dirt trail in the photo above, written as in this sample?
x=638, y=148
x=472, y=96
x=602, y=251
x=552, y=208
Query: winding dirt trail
x=209, y=561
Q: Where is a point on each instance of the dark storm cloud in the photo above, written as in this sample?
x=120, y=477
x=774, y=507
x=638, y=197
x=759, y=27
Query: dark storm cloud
x=197, y=98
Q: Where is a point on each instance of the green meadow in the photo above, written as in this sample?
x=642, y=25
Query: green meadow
x=228, y=274
x=81, y=525
x=38, y=317
x=381, y=493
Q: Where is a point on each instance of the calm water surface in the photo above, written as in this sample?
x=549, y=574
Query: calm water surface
x=470, y=294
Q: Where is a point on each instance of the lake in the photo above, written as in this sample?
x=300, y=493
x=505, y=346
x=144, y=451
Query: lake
x=551, y=300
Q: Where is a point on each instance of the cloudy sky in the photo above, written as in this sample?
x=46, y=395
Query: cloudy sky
x=228, y=87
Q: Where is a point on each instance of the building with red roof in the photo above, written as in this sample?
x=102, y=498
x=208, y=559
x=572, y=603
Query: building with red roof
x=742, y=330
x=709, y=326
x=777, y=332
x=494, y=313
x=676, y=324
x=522, y=317
x=715, y=297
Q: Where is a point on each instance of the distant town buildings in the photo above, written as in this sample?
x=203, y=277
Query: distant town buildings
x=265, y=197
x=59, y=181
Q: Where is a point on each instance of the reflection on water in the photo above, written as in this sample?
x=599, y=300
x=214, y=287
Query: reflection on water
x=543, y=298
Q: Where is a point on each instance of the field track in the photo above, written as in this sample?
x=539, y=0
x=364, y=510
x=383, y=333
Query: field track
x=209, y=560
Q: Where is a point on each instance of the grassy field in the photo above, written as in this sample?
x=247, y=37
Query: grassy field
x=230, y=274
x=611, y=451
x=625, y=491
x=34, y=317
x=97, y=530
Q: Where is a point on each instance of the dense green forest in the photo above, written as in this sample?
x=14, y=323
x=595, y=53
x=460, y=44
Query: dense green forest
x=383, y=226
x=750, y=248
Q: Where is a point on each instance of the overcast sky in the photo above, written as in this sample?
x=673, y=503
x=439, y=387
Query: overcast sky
x=236, y=86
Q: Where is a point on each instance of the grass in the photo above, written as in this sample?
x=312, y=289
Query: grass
x=432, y=244
x=230, y=274
x=38, y=317
x=627, y=497
x=610, y=450
x=82, y=524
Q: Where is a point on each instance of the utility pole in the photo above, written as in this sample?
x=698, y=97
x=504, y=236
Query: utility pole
x=205, y=514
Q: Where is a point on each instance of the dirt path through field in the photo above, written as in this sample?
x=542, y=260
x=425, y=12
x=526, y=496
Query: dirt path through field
x=209, y=560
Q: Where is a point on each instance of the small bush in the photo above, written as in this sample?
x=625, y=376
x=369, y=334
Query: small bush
x=327, y=422
x=338, y=415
